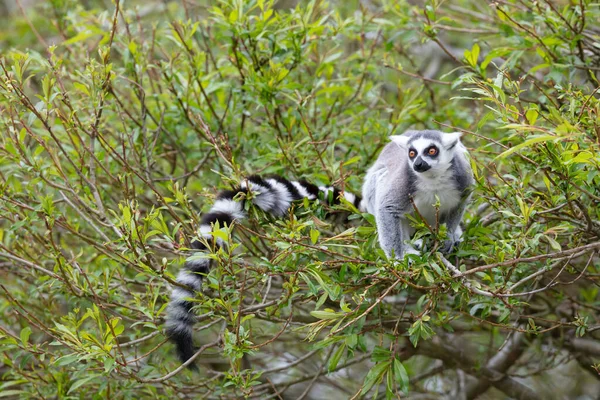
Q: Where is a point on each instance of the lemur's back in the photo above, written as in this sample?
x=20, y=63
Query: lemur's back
x=389, y=167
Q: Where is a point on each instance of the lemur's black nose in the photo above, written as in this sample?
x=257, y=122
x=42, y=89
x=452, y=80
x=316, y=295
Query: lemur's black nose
x=420, y=165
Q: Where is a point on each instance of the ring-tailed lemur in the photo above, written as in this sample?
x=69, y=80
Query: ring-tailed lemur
x=273, y=195
x=414, y=170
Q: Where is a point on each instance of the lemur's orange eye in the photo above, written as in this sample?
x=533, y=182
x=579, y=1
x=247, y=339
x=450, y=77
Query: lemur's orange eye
x=432, y=151
x=412, y=153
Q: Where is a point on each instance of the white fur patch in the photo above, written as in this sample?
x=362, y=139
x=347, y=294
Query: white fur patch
x=450, y=138
x=179, y=295
x=230, y=207
x=190, y=280
x=196, y=264
x=205, y=230
x=264, y=199
x=350, y=197
x=362, y=207
x=457, y=233
x=400, y=140
x=283, y=198
x=302, y=190
x=431, y=185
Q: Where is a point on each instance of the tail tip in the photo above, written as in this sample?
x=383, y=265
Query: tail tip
x=182, y=338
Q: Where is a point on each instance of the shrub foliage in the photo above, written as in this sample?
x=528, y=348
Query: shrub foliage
x=120, y=121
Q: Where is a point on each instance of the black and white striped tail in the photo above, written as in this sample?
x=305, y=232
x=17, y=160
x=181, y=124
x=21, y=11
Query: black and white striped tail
x=273, y=195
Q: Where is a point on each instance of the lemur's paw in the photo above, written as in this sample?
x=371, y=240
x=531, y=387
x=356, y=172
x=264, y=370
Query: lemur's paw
x=410, y=250
x=449, y=246
x=418, y=244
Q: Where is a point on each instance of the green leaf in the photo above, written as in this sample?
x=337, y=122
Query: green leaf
x=420, y=330
x=68, y=359
x=25, y=333
x=582, y=157
x=352, y=160
x=553, y=243
x=380, y=354
x=527, y=143
x=109, y=364
x=322, y=300
x=80, y=37
x=473, y=55
x=80, y=383
x=531, y=116
x=314, y=235
x=326, y=314
x=13, y=392
x=374, y=376
x=352, y=340
x=220, y=234
x=428, y=277
x=400, y=375
x=335, y=359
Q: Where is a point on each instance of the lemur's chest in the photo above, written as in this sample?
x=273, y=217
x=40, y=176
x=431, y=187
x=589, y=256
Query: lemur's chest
x=428, y=191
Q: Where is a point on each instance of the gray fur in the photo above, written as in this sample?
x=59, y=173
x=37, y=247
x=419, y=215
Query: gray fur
x=393, y=188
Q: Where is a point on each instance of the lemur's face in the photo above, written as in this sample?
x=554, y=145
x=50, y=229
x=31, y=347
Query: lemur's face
x=428, y=154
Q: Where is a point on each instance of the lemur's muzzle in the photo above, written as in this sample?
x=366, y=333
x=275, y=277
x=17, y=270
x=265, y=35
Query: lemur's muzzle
x=420, y=165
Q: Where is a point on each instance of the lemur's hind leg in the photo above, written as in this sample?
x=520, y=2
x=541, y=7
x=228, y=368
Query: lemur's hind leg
x=453, y=226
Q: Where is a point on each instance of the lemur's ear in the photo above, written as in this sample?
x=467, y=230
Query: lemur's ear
x=400, y=140
x=449, y=140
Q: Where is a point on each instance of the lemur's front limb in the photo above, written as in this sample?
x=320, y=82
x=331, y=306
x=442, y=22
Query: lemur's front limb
x=394, y=229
